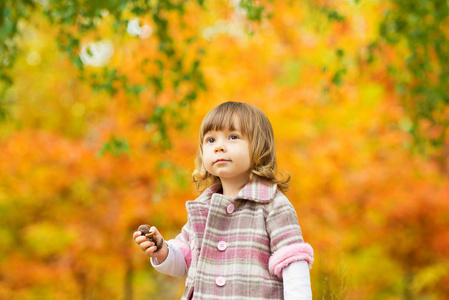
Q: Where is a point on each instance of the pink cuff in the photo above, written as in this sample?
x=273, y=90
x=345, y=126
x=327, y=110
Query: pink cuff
x=288, y=254
x=185, y=249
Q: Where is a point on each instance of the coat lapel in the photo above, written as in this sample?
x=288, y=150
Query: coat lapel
x=258, y=191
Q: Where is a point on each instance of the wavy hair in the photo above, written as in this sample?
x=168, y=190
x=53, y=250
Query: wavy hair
x=255, y=126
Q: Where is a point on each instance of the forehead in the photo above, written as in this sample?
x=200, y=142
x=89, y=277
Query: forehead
x=221, y=123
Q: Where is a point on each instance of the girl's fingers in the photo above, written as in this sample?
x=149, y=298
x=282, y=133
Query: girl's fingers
x=146, y=245
x=141, y=239
x=150, y=250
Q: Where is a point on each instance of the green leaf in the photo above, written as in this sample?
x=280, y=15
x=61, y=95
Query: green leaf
x=337, y=79
x=254, y=12
x=115, y=146
x=333, y=15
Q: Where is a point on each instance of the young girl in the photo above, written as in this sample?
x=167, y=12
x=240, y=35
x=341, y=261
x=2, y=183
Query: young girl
x=242, y=239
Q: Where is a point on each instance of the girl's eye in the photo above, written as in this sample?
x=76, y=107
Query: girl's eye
x=210, y=140
x=233, y=137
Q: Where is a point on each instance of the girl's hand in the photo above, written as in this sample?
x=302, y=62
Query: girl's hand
x=148, y=245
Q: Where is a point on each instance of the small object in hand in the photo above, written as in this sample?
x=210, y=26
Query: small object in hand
x=145, y=229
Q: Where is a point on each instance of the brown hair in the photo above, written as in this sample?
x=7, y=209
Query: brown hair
x=254, y=125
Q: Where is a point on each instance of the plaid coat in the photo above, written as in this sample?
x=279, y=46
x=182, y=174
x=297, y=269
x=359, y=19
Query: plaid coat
x=236, y=248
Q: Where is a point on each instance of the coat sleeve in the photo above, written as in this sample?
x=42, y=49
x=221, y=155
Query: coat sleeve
x=182, y=241
x=286, y=241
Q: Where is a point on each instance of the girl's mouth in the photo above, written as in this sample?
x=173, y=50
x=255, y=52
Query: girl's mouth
x=221, y=161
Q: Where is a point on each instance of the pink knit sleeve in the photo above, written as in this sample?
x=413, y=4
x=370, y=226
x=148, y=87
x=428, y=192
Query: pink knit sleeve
x=288, y=254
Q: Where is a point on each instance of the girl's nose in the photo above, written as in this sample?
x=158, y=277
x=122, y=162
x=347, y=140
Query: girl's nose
x=219, y=147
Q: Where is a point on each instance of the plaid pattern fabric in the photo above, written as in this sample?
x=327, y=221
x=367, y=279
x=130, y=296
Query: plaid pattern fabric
x=231, y=248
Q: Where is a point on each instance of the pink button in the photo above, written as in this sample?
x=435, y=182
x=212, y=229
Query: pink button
x=220, y=281
x=230, y=208
x=192, y=244
x=222, y=245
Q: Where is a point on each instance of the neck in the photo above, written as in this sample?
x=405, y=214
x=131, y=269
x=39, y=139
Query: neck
x=232, y=188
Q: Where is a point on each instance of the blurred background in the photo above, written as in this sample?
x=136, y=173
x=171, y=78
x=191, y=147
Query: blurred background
x=100, y=108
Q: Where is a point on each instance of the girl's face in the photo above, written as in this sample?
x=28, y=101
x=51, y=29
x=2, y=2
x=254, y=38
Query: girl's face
x=226, y=155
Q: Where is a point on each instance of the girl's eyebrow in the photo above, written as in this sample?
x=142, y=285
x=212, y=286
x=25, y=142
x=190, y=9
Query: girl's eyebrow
x=226, y=130
x=235, y=131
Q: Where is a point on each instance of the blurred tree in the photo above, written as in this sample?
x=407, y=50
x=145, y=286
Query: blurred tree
x=374, y=213
x=68, y=214
x=176, y=65
x=171, y=67
x=418, y=33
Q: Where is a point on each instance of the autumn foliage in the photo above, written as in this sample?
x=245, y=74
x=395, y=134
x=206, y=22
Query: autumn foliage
x=88, y=153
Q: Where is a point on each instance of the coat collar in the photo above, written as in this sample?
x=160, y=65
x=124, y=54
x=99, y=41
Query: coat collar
x=258, y=191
